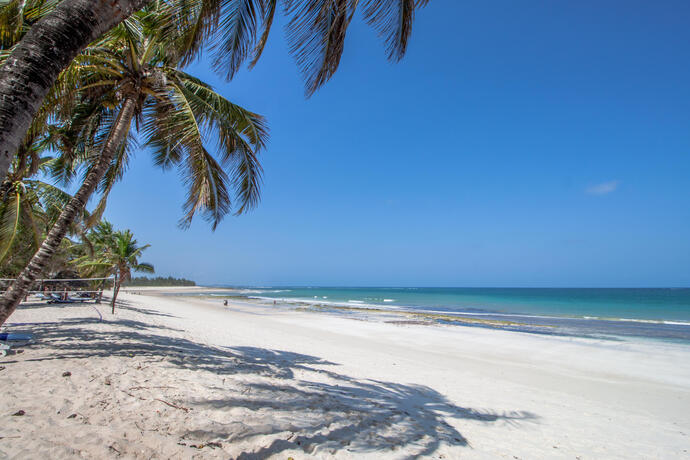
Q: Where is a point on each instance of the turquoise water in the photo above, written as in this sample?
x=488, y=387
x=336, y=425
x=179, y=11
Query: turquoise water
x=645, y=312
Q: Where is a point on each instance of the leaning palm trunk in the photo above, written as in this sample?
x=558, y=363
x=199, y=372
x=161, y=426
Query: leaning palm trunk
x=20, y=287
x=35, y=63
x=116, y=290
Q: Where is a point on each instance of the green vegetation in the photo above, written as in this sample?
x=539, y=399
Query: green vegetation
x=158, y=281
x=113, y=253
x=132, y=79
x=92, y=98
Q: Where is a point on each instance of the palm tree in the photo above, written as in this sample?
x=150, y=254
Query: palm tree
x=131, y=75
x=235, y=30
x=117, y=255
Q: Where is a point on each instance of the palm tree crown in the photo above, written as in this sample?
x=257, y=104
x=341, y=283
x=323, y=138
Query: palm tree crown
x=116, y=253
x=177, y=114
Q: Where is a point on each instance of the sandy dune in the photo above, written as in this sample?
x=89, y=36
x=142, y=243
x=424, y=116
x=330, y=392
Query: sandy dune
x=171, y=377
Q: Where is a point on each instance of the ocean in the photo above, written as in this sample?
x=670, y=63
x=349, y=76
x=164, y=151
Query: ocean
x=607, y=313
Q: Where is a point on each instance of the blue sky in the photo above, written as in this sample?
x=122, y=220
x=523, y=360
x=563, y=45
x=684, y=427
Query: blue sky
x=532, y=143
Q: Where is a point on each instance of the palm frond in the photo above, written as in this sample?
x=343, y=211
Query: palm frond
x=316, y=37
x=192, y=23
x=393, y=20
x=27, y=213
x=206, y=189
x=173, y=128
x=144, y=268
x=241, y=134
x=237, y=34
x=9, y=223
x=269, y=13
x=235, y=29
x=17, y=16
x=52, y=199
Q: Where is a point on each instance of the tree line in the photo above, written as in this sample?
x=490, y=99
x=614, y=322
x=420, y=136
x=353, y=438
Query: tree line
x=158, y=281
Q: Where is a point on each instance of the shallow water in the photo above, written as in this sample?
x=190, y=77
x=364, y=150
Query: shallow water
x=654, y=313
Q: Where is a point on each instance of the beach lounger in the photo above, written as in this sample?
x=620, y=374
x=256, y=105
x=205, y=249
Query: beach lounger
x=10, y=339
x=15, y=337
x=55, y=298
x=78, y=298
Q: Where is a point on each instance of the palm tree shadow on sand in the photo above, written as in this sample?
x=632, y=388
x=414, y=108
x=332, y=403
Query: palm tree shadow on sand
x=292, y=401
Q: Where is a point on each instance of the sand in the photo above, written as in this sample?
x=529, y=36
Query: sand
x=173, y=377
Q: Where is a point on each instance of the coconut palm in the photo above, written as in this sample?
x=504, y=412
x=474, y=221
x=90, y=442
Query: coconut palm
x=117, y=255
x=131, y=76
x=235, y=30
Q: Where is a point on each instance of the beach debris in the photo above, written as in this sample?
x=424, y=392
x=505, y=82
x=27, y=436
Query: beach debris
x=133, y=396
x=72, y=416
x=107, y=381
x=186, y=409
x=19, y=413
x=67, y=374
x=148, y=388
x=2, y=367
x=212, y=444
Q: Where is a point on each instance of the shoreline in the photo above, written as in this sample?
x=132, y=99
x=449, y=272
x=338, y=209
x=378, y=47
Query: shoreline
x=608, y=328
x=260, y=382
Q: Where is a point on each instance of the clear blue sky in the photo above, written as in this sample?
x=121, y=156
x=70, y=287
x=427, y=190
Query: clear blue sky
x=531, y=143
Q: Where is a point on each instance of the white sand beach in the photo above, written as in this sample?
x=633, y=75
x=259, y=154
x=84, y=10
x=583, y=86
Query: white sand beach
x=183, y=377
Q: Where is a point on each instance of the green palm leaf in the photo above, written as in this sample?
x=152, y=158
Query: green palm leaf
x=9, y=222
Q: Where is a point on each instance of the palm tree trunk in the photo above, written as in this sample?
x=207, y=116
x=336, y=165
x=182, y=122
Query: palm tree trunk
x=41, y=55
x=116, y=289
x=20, y=286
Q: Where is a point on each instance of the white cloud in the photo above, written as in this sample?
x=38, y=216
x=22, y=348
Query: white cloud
x=604, y=188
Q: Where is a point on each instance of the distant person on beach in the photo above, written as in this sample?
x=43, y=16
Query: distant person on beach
x=225, y=302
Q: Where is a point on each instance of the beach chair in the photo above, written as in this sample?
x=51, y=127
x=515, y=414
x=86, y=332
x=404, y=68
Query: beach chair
x=12, y=339
x=53, y=298
x=79, y=297
x=56, y=298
